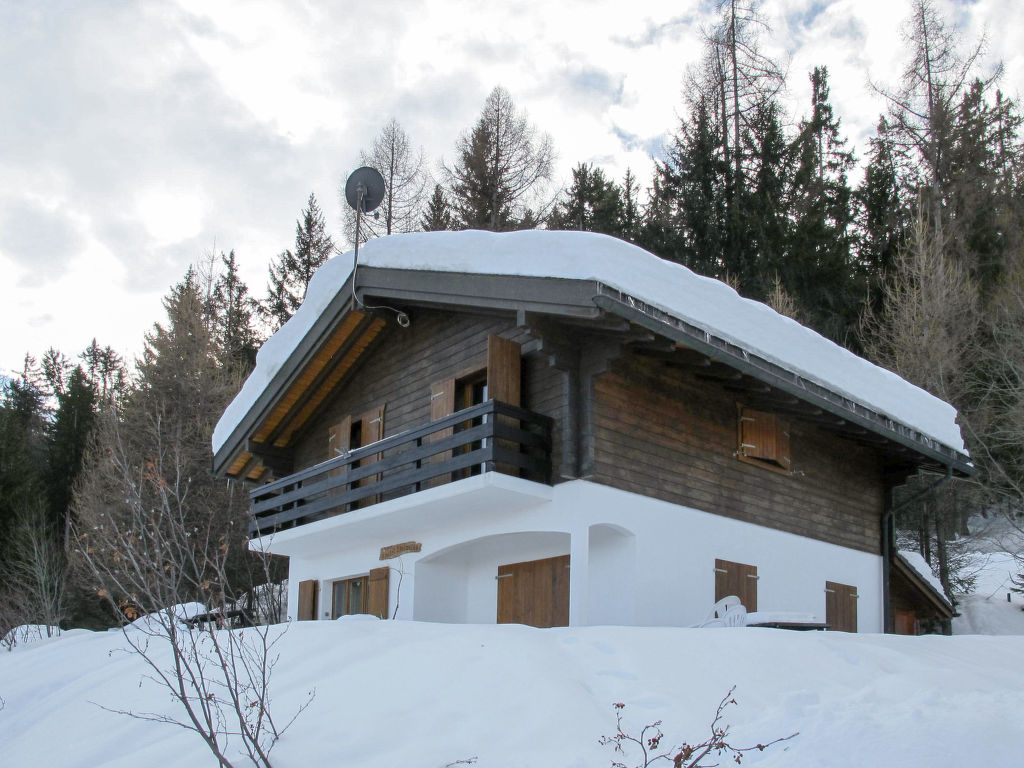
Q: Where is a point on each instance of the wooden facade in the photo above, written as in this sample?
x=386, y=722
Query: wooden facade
x=635, y=423
x=665, y=433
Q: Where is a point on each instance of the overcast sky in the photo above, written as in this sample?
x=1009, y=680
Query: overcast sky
x=137, y=136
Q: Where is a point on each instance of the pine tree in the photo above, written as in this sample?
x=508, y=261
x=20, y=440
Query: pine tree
x=764, y=209
x=591, y=204
x=438, y=215
x=685, y=217
x=501, y=168
x=819, y=269
x=67, y=437
x=883, y=217
x=630, y=229
x=233, y=313
x=290, y=272
x=158, y=445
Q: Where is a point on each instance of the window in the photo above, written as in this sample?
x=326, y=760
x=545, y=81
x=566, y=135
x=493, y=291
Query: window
x=348, y=596
x=361, y=594
x=763, y=440
x=736, y=579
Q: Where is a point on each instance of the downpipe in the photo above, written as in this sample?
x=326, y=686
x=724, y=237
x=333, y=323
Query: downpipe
x=889, y=541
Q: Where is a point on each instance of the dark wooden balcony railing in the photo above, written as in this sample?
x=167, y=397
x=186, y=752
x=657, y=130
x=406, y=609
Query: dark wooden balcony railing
x=492, y=436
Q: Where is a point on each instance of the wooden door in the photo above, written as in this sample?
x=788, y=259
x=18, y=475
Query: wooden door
x=904, y=622
x=736, y=579
x=534, y=592
x=840, y=607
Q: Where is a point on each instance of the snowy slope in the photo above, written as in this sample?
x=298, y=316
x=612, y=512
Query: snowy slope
x=416, y=695
x=987, y=611
x=708, y=304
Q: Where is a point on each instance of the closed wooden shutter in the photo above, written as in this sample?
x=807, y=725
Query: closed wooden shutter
x=371, y=429
x=442, y=403
x=840, y=607
x=307, y=600
x=736, y=579
x=377, y=592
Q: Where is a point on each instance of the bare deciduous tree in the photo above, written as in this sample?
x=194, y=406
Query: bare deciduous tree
x=34, y=576
x=151, y=554
x=405, y=185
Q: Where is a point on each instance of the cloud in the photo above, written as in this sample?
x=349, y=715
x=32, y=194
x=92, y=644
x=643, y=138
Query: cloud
x=37, y=238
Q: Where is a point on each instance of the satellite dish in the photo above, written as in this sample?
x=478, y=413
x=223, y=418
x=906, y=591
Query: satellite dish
x=364, y=189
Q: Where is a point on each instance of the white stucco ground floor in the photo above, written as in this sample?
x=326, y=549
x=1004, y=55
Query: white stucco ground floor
x=632, y=560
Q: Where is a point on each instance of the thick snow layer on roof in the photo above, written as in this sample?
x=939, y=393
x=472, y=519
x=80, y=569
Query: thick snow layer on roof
x=700, y=301
x=916, y=561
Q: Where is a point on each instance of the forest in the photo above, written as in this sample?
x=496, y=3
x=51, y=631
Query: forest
x=908, y=251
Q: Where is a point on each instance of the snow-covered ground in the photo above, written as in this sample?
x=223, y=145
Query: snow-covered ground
x=425, y=695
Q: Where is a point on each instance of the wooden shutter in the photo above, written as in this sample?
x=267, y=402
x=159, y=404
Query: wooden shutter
x=504, y=372
x=442, y=403
x=764, y=437
x=307, y=600
x=840, y=607
x=371, y=429
x=504, y=383
x=736, y=579
x=339, y=441
x=339, y=438
x=377, y=592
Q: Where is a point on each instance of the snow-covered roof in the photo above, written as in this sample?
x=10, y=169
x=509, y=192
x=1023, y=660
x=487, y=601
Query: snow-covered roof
x=920, y=566
x=703, y=302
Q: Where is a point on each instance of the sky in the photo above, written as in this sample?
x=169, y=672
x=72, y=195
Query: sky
x=138, y=137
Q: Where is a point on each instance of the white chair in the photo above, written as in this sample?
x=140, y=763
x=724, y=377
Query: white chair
x=727, y=612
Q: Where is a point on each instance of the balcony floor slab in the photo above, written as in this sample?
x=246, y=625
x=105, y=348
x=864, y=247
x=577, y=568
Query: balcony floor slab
x=490, y=493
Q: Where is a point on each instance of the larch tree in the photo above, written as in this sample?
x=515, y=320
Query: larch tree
x=501, y=169
x=405, y=184
x=291, y=271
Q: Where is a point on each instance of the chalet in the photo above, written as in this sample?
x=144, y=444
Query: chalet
x=560, y=428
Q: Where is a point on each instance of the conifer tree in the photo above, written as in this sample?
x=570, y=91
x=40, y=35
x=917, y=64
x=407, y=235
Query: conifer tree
x=882, y=216
x=591, y=204
x=291, y=271
x=501, y=168
x=438, y=214
x=819, y=269
x=233, y=313
x=158, y=443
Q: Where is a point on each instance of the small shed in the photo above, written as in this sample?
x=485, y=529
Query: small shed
x=917, y=602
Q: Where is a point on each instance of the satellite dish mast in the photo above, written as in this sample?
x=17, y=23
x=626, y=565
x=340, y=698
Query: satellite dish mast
x=364, y=191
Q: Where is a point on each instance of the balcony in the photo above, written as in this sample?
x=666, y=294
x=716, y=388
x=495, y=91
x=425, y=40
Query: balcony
x=490, y=437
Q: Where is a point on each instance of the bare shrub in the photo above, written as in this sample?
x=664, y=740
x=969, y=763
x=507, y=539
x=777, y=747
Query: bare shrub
x=650, y=742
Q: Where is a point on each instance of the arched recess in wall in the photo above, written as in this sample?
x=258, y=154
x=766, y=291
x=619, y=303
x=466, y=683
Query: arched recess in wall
x=457, y=584
x=612, y=571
